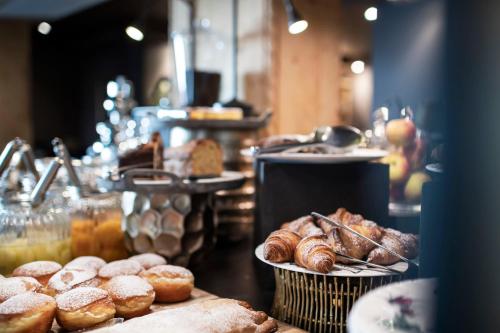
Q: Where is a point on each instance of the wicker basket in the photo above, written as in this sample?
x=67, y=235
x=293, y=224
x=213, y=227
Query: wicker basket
x=318, y=302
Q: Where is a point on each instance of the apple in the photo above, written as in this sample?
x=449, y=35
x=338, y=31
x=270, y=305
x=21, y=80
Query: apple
x=399, y=167
x=414, y=152
x=413, y=188
x=400, y=132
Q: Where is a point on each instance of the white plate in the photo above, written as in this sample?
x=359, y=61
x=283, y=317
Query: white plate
x=226, y=176
x=357, y=155
x=366, y=271
x=227, y=181
x=374, y=313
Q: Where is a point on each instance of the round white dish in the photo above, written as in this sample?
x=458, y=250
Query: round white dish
x=403, y=307
x=356, y=155
x=365, y=272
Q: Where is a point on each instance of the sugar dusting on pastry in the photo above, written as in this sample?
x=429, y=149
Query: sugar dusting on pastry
x=37, y=268
x=128, y=286
x=148, y=260
x=17, y=285
x=66, y=279
x=79, y=297
x=120, y=267
x=24, y=302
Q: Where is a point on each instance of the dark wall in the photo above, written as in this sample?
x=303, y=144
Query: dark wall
x=72, y=65
x=408, y=57
x=470, y=253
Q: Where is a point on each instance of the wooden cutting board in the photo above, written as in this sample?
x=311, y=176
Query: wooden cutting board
x=198, y=295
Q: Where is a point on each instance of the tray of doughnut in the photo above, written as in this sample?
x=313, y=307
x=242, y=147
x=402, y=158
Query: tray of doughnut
x=312, y=245
x=139, y=293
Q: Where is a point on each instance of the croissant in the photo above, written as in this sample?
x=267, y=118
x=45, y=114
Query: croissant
x=314, y=253
x=383, y=257
x=280, y=245
x=409, y=241
x=334, y=241
x=347, y=218
x=310, y=229
x=295, y=225
x=328, y=227
x=356, y=246
x=304, y=226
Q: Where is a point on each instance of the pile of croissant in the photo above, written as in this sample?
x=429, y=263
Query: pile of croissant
x=317, y=245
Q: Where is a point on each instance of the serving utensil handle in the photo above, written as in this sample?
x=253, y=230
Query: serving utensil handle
x=62, y=152
x=38, y=194
x=8, y=152
x=28, y=159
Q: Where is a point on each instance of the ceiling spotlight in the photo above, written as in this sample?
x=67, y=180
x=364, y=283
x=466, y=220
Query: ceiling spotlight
x=44, y=28
x=134, y=32
x=296, y=24
x=358, y=67
x=371, y=14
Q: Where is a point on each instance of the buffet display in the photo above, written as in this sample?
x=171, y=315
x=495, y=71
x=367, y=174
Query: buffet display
x=159, y=207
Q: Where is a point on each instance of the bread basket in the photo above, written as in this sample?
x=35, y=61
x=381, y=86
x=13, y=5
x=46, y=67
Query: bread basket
x=321, y=302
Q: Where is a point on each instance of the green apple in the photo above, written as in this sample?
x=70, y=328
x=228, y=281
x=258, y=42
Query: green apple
x=399, y=167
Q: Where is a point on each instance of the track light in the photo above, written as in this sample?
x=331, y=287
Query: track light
x=371, y=14
x=296, y=24
x=358, y=67
x=44, y=28
x=134, y=32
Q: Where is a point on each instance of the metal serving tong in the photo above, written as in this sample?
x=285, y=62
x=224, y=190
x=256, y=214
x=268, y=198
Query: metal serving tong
x=351, y=269
x=340, y=225
x=369, y=264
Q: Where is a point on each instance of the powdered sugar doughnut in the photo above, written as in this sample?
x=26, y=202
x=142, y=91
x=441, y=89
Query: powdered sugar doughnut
x=171, y=283
x=67, y=279
x=120, y=267
x=86, y=262
x=13, y=286
x=40, y=270
x=83, y=307
x=131, y=294
x=148, y=260
x=27, y=312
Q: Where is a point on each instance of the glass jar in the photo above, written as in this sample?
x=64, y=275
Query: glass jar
x=406, y=144
x=96, y=227
x=29, y=233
